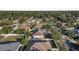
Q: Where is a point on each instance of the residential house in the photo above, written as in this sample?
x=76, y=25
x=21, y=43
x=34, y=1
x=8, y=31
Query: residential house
x=16, y=21
x=69, y=28
x=39, y=34
x=76, y=32
x=38, y=26
x=24, y=26
x=77, y=21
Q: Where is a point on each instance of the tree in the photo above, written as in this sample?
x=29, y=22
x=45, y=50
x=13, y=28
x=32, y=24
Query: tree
x=21, y=19
x=5, y=30
x=17, y=31
x=25, y=39
x=57, y=36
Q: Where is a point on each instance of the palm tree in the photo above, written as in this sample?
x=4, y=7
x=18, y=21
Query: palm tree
x=25, y=38
x=56, y=33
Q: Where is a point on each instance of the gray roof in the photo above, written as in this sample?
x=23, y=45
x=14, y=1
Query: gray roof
x=12, y=46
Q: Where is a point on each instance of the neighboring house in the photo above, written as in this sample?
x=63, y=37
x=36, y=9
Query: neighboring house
x=39, y=34
x=64, y=24
x=24, y=26
x=16, y=21
x=12, y=46
x=76, y=32
x=77, y=21
x=39, y=26
x=69, y=28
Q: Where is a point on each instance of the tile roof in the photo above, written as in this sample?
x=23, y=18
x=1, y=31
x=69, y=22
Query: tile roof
x=41, y=46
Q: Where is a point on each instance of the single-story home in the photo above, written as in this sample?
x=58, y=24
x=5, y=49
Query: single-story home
x=42, y=45
x=39, y=34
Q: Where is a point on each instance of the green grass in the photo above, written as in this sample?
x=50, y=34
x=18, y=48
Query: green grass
x=5, y=30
